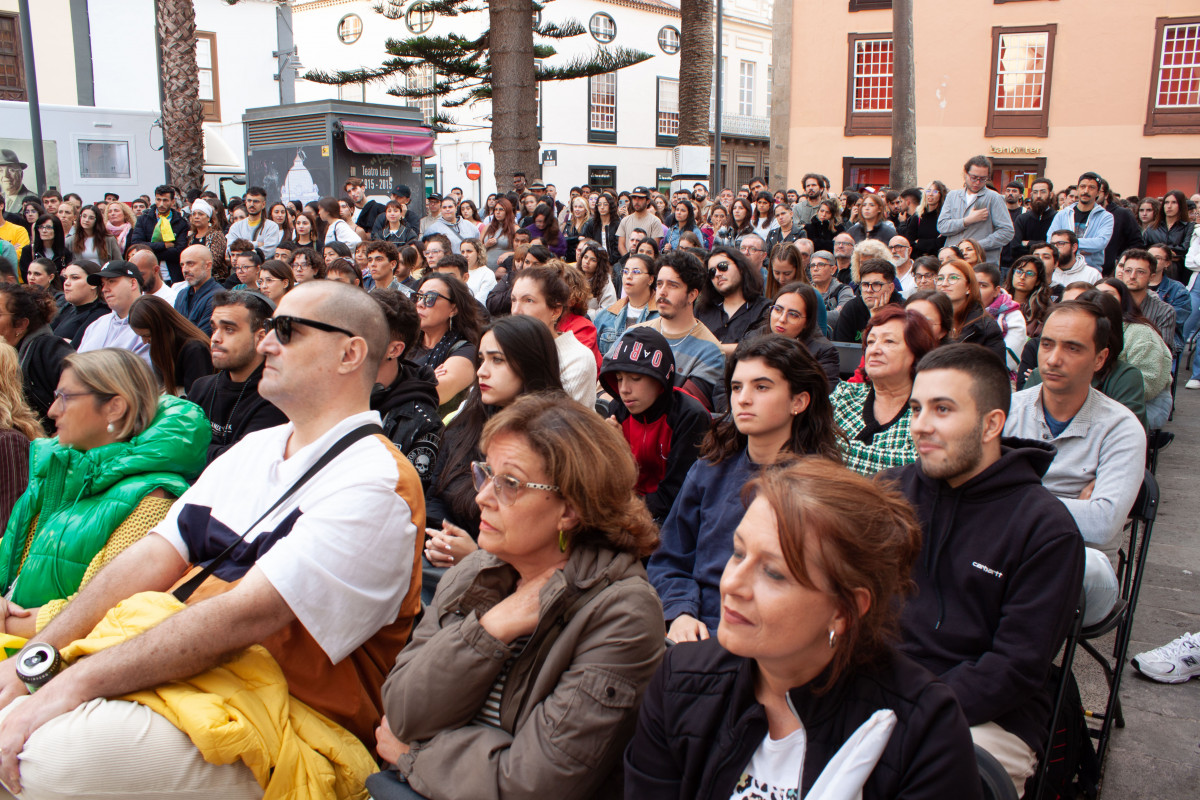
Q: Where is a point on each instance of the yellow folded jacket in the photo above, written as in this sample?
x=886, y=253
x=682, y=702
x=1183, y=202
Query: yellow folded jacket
x=242, y=710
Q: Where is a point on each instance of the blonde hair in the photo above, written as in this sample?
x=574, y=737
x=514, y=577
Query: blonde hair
x=112, y=372
x=864, y=251
x=15, y=413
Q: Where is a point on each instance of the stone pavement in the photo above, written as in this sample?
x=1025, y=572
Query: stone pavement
x=1157, y=754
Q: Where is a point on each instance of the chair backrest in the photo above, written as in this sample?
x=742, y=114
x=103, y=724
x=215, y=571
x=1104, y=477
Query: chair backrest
x=1141, y=523
x=850, y=356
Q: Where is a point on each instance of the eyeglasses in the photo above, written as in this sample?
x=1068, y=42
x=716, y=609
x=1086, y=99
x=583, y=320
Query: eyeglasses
x=506, y=487
x=843, y=244
x=429, y=299
x=925, y=277
x=631, y=272
x=749, y=249
x=283, y=324
x=1025, y=273
x=976, y=178
x=65, y=396
x=434, y=251
x=874, y=286
x=45, y=227
x=899, y=248
x=790, y=314
x=954, y=278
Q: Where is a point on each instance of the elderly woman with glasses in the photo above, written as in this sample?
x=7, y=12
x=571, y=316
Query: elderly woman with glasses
x=121, y=457
x=524, y=675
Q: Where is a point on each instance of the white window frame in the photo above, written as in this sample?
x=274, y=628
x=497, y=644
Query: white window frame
x=746, y=76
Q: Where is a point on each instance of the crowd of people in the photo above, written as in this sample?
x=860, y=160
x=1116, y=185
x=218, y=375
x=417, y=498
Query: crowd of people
x=571, y=496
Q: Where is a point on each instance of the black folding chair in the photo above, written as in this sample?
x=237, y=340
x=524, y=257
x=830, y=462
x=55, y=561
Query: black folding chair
x=1055, y=741
x=1130, y=566
x=850, y=355
x=1156, y=441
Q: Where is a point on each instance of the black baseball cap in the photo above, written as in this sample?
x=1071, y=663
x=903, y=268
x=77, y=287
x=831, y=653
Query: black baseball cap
x=116, y=269
x=402, y=191
x=640, y=191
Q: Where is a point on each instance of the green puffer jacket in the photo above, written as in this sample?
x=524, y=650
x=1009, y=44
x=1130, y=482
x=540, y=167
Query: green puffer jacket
x=79, y=498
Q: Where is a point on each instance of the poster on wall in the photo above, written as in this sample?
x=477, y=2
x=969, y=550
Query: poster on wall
x=290, y=173
x=381, y=172
x=17, y=173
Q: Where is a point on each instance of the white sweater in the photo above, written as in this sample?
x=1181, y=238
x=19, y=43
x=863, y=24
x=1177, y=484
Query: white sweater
x=577, y=368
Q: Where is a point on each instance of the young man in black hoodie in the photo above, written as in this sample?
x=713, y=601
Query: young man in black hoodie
x=405, y=394
x=230, y=398
x=662, y=424
x=1001, y=562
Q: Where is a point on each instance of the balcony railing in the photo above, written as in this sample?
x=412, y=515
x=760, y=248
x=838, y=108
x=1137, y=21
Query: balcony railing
x=741, y=125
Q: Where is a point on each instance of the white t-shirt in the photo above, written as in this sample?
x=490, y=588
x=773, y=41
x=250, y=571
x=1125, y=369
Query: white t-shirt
x=577, y=368
x=481, y=281
x=168, y=293
x=775, y=770
x=339, y=551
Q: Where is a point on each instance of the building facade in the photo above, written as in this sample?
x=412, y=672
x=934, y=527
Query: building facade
x=613, y=130
x=1042, y=87
x=104, y=54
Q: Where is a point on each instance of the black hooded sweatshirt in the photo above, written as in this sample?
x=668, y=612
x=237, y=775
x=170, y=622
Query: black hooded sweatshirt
x=409, y=407
x=233, y=409
x=998, y=579
x=665, y=438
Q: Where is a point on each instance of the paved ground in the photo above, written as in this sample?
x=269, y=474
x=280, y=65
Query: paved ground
x=1157, y=754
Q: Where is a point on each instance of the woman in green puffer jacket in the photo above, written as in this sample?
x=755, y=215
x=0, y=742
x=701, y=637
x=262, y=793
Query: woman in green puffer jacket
x=121, y=457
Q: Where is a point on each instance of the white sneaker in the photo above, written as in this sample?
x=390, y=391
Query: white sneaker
x=1174, y=662
x=1192, y=384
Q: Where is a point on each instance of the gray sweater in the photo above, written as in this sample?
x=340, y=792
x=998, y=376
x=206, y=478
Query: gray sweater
x=992, y=233
x=1104, y=442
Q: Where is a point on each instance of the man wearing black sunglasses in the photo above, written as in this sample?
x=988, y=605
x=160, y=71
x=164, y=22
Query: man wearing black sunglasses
x=322, y=579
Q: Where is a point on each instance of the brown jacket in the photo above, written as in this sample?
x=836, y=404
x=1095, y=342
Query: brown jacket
x=565, y=725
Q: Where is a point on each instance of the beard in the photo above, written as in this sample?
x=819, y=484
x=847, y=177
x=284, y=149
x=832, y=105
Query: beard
x=959, y=460
x=1039, y=206
x=1064, y=259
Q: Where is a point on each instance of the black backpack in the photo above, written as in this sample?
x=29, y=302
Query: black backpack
x=1072, y=768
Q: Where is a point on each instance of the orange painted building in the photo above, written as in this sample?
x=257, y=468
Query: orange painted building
x=1043, y=87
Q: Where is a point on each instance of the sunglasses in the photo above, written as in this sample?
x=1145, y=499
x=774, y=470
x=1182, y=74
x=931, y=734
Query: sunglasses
x=506, y=487
x=429, y=299
x=283, y=324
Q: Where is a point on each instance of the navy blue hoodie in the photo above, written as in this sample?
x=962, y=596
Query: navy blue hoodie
x=998, y=579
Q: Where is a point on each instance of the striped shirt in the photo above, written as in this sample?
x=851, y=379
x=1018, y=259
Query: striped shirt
x=489, y=713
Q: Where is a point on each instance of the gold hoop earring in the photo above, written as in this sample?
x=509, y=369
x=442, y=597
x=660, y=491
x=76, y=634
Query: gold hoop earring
x=562, y=540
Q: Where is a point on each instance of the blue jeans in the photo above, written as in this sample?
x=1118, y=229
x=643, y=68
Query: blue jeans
x=1193, y=322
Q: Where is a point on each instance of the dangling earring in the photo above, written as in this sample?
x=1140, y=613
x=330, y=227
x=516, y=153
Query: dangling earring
x=451, y=322
x=112, y=428
x=562, y=541
x=832, y=639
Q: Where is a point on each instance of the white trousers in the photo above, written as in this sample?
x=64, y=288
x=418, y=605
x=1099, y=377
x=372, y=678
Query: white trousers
x=115, y=748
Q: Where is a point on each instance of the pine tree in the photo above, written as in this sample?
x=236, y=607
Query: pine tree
x=499, y=66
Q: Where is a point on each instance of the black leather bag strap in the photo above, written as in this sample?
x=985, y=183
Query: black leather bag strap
x=361, y=432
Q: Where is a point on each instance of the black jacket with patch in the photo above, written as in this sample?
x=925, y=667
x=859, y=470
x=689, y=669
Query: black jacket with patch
x=409, y=407
x=998, y=578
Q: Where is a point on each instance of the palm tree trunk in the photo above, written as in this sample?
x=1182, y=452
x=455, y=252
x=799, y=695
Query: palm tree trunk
x=514, y=116
x=182, y=112
x=695, y=71
x=904, y=114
